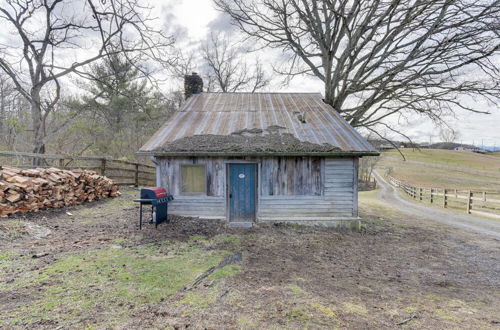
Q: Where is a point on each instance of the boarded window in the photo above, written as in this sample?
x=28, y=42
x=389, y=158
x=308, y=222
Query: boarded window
x=194, y=179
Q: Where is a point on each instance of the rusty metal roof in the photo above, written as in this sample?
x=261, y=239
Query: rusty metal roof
x=224, y=114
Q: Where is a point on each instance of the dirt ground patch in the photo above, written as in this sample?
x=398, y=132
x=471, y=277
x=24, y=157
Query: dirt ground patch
x=95, y=269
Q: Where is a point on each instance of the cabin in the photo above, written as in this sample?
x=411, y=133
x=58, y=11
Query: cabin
x=259, y=157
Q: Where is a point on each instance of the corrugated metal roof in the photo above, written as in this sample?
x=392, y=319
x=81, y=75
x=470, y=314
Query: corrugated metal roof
x=223, y=114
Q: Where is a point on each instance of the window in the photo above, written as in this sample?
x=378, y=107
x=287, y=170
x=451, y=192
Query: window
x=194, y=179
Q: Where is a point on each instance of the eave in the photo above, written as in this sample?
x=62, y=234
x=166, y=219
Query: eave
x=257, y=154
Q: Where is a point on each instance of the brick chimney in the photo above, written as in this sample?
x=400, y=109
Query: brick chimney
x=193, y=84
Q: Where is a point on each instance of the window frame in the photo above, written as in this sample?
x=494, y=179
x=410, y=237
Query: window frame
x=184, y=193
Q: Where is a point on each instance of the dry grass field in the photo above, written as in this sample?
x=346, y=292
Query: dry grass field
x=444, y=168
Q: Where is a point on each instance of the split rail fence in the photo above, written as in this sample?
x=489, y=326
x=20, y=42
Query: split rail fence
x=120, y=171
x=484, y=203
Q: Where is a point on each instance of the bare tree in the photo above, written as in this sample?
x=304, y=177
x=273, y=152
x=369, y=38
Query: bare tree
x=448, y=134
x=379, y=58
x=226, y=68
x=7, y=91
x=53, y=39
x=184, y=64
x=11, y=113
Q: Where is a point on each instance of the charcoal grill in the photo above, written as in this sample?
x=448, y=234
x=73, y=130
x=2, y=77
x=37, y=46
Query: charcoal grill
x=158, y=199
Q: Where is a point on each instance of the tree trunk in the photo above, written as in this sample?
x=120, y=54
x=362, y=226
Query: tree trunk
x=39, y=133
x=2, y=110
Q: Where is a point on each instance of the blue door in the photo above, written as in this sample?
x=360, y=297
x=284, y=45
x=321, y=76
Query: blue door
x=242, y=189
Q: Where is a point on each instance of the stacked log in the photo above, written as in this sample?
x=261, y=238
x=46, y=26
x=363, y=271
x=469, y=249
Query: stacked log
x=35, y=189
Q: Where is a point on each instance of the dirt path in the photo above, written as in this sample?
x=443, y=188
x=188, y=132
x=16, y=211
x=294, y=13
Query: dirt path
x=391, y=195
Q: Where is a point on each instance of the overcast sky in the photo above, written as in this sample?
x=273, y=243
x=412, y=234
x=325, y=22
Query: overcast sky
x=192, y=20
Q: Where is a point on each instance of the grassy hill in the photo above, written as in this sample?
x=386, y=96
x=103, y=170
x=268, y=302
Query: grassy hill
x=445, y=168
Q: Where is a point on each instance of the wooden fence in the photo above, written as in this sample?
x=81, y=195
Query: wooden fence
x=485, y=203
x=120, y=171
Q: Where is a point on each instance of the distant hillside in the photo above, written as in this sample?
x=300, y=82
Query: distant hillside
x=450, y=145
x=445, y=168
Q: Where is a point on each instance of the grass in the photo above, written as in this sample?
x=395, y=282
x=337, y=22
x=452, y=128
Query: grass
x=445, y=315
x=352, y=308
x=104, y=208
x=370, y=204
x=115, y=280
x=295, y=289
x=12, y=229
x=432, y=176
x=290, y=277
x=299, y=314
x=199, y=300
x=469, y=160
x=328, y=312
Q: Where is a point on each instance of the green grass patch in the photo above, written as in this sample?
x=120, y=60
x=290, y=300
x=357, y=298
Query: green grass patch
x=410, y=309
x=224, y=272
x=199, y=300
x=352, y=308
x=6, y=260
x=295, y=289
x=328, y=312
x=102, y=208
x=298, y=314
x=228, y=239
x=445, y=315
x=247, y=323
x=107, y=285
x=197, y=238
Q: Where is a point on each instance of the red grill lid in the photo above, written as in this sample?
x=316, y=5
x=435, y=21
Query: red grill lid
x=160, y=192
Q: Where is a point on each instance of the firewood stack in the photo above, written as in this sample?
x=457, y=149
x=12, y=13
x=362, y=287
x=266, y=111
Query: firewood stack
x=34, y=189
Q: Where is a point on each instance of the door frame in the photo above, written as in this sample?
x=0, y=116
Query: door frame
x=228, y=184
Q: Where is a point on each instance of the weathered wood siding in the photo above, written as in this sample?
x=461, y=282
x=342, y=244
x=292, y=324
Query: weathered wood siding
x=339, y=198
x=211, y=205
x=291, y=176
x=290, y=188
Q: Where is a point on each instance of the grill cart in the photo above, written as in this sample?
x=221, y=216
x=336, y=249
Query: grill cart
x=158, y=198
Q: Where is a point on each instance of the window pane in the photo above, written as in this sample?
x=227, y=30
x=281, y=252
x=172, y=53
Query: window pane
x=193, y=179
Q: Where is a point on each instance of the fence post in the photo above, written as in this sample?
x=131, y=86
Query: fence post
x=445, y=198
x=61, y=162
x=136, y=177
x=103, y=166
x=469, y=202
x=432, y=197
x=484, y=196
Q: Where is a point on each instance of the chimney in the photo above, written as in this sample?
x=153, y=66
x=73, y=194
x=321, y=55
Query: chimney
x=193, y=84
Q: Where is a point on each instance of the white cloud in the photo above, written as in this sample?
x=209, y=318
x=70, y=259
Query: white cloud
x=191, y=20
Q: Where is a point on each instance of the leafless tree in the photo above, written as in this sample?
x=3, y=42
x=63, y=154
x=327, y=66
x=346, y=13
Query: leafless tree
x=7, y=90
x=380, y=58
x=226, y=68
x=448, y=134
x=185, y=63
x=53, y=39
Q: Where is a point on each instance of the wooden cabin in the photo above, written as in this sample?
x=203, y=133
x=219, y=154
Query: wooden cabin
x=245, y=157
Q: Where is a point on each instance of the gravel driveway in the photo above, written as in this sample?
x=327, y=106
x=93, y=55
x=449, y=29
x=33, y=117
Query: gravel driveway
x=392, y=196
